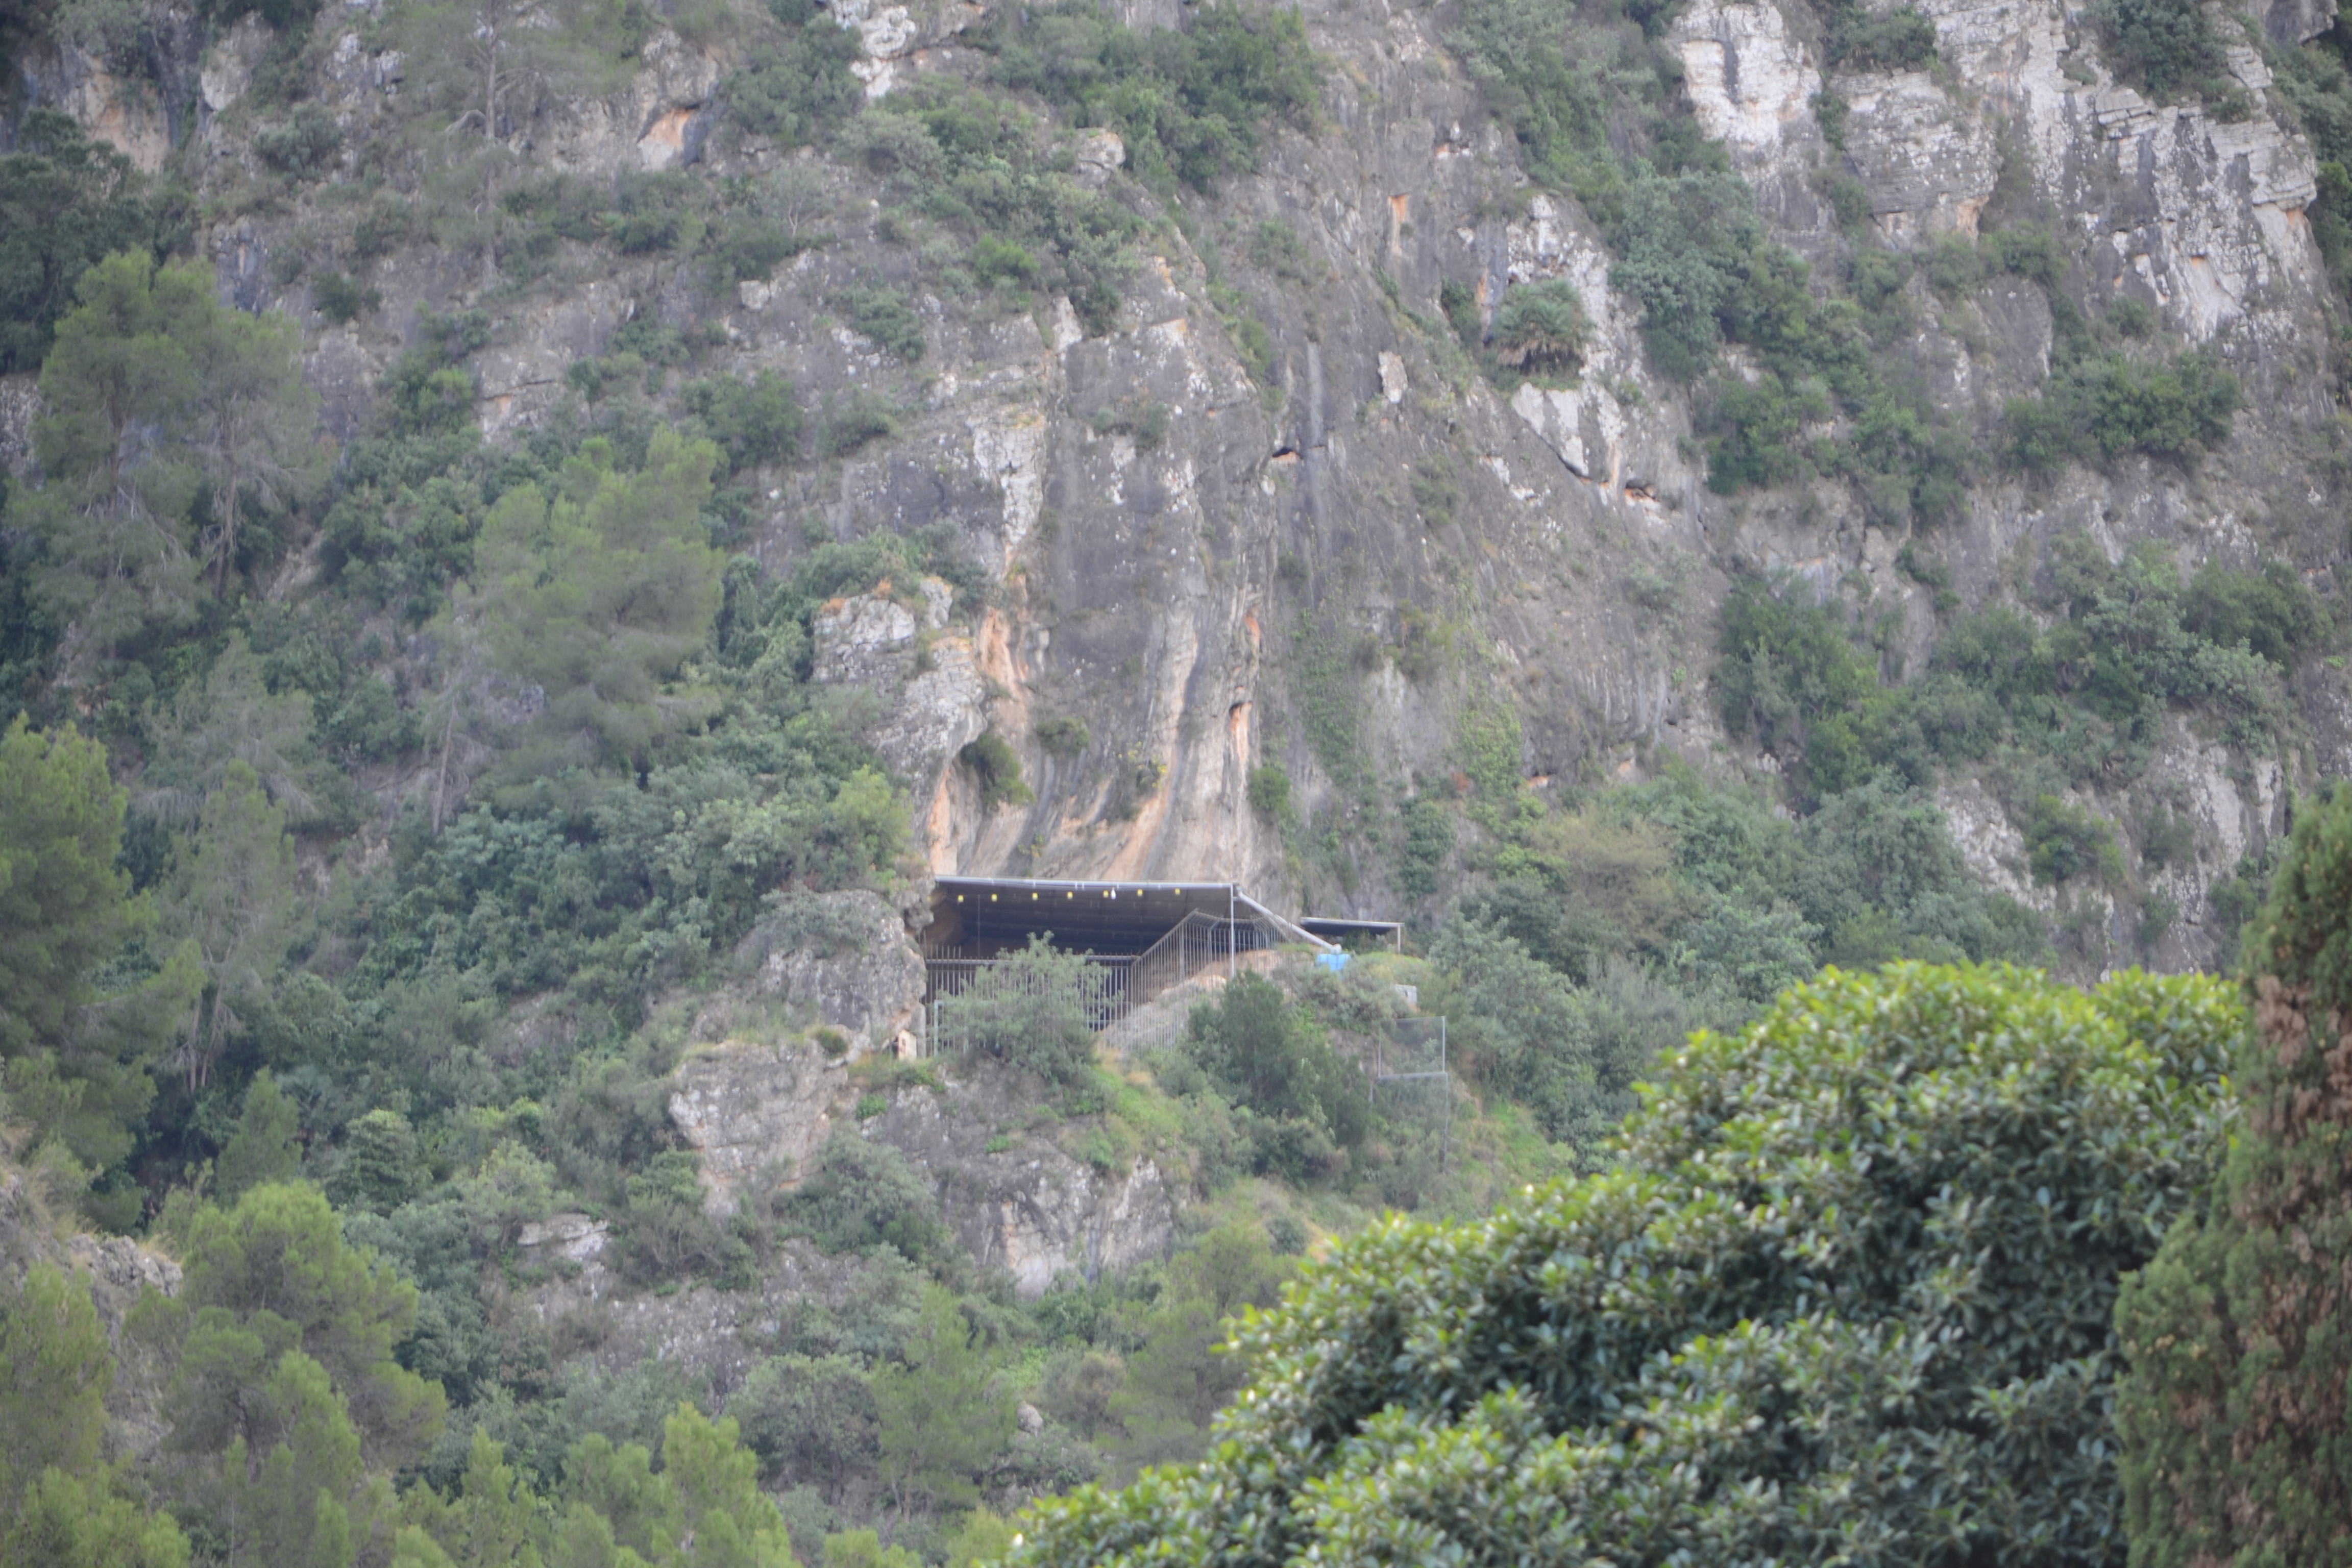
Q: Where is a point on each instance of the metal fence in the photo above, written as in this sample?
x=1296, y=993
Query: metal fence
x=963, y=991
x=1408, y=1059
x=970, y=995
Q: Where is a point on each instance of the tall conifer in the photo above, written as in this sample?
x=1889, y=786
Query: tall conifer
x=2237, y=1447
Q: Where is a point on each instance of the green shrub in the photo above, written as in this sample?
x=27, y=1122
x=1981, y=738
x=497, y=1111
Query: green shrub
x=2165, y=46
x=2270, y=610
x=1065, y=736
x=2107, y=404
x=306, y=145
x=866, y=416
x=1540, y=327
x=865, y=1195
x=1654, y=1361
x=1002, y=262
x=746, y=247
x=1037, y=1012
x=65, y=203
x=1298, y=1098
x=1757, y=429
x=1788, y=675
x=2063, y=841
x=1459, y=303
x=801, y=91
x=1190, y=102
x=1900, y=39
x=340, y=298
x=756, y=421
x=1142, y=418
x=885, y=315
x=663, y=1233
x=997, y=766
x=1276, y=246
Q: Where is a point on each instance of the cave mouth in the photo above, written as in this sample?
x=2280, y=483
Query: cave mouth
x=1146, y=936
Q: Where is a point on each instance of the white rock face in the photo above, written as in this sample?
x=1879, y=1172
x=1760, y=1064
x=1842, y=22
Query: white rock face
x=1585, y=425
x=1009, y=450
x=844, y=958
x=859, y=638
x=755, y=1113
x=1031, y=1210
x=571, y=1237
x=228, y=64
x=1750, y=81
x=1097, y=152
x=1930, y=167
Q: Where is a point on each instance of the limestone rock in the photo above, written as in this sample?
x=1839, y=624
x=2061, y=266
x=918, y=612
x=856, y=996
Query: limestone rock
x=1030, y=1209
x=755, y=1113
x=845, y=957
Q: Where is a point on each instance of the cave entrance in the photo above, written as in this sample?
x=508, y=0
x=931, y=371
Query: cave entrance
x=1139, y=939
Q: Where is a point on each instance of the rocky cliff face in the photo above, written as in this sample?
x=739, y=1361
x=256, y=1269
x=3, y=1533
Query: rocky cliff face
x=1236, y=592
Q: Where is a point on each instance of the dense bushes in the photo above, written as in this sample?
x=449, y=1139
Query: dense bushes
x=1654, y=1362
x=800, y=89
x=1039, y=1014
x=2107, y=404
x=970, y=160
x=65, y=201
x=1542, y=327
x=2166, y=46
x=1190, y=102
x=1299, y=1102
x=756, y=421
x=865, y=1194
x=1901, y=40
x=2079, y=698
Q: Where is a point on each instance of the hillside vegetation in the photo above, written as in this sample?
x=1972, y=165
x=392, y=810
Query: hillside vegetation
x=530, y=533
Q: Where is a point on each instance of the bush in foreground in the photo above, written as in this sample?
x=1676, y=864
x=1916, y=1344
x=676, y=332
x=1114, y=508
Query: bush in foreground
x=1848, y=1293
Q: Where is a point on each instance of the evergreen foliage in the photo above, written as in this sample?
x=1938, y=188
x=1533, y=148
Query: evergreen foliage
x=1854, y=1273
x=1038, y=1015
x=65, y=203
x=1298, y=1101
x=940, y=1420
x=2166, y=46
x=76, y=1036
x=2233, y=1426
x=2076, y=702
x=1190, y=103
x=1542, y=327
x=60, y=1502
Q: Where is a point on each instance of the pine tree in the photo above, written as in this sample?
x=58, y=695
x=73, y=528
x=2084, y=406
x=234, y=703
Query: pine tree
x=598, y=594
x=264, y=1147
x=75, y=1055
x=117, y=394
x=54, y=1376
x=942, y=1421
x=233, y=892
x=2237, y=1438
x=255, y=422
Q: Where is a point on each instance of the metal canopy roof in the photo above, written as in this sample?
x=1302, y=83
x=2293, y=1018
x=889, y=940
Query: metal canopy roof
x=1103, y=916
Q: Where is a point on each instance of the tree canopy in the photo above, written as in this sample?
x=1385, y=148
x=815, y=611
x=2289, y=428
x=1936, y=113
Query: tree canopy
x=1848, y=1291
